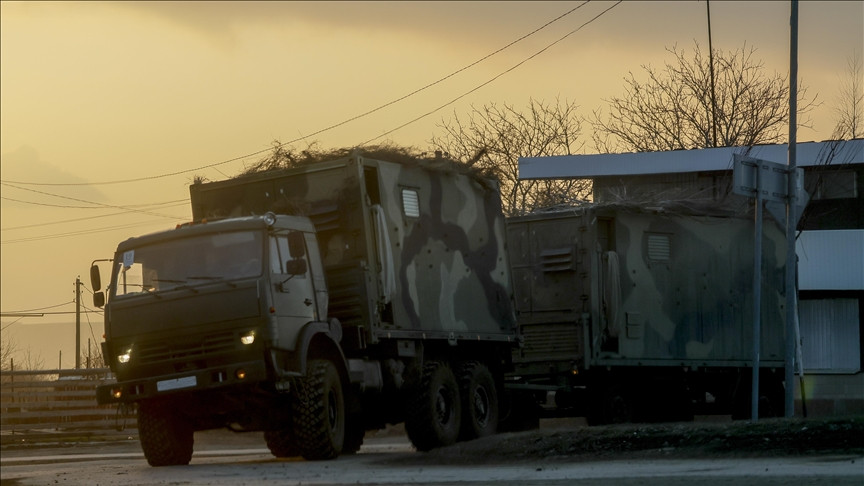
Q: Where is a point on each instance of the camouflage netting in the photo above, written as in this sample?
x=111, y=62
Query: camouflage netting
x=286, y=157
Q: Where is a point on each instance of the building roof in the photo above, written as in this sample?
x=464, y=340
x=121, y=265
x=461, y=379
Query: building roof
x=681, y=161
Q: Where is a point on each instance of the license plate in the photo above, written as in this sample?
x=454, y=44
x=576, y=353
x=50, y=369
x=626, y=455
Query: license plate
x=177, y=383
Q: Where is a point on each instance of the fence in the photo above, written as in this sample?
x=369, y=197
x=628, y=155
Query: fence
x=59, y=404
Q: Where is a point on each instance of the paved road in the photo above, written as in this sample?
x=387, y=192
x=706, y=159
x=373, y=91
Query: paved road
x=386, y=461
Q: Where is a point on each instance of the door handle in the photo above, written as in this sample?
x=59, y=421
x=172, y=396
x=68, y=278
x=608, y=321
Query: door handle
x=308, y=302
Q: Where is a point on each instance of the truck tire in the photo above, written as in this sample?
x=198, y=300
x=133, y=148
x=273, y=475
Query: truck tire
x=281, y=443
x=480, y=409
x=166, y=438
x=435, y=409
x=319, y=412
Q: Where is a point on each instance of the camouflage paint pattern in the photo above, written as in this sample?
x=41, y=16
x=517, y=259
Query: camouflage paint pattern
x=616, y=284
x=447, y=261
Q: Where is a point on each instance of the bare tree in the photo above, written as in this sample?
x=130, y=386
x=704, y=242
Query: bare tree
x=494, y=137
x=850, y=103
x=673, y=108
x=11, y=354
x=8, y=348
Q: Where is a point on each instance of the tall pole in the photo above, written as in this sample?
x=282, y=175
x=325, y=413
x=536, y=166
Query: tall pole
x=791, y=217
x=713, y=89
x=78, y=322
x=757, y=298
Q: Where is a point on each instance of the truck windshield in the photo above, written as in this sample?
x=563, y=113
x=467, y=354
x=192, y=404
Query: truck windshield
x=183, y=263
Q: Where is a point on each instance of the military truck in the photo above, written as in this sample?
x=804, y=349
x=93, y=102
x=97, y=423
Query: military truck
x=314, y=304
x=643, y=313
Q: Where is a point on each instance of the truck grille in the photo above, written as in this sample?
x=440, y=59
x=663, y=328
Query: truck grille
x=161, y=352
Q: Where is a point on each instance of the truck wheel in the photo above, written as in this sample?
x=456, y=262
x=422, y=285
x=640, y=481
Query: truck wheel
x=435, y=410
x=479, y=401
x=281, y=443
x=319, y=412
x=165, y=437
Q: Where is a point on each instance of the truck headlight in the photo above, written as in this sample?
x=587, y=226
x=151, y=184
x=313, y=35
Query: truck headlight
x=125, y=356
x=248, y=338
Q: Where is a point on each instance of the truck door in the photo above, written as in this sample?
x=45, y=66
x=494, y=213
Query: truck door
x=293, y=292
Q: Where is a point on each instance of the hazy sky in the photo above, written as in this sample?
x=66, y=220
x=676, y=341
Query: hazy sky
x=95, y=93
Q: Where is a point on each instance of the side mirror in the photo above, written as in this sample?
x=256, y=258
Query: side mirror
x=95, y=278
x=296, y=244
x=99, y=299
x=296, y=267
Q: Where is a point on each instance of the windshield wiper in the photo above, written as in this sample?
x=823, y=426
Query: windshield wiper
x=183, y=286
x=221, y=279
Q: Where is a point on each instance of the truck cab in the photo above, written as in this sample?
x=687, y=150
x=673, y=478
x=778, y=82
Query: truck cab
x=200, y=306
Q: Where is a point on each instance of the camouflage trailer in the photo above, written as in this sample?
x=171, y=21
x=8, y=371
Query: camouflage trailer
x=316, y=303
x=645, y=313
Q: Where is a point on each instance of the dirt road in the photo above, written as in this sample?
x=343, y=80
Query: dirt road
x=674, y=454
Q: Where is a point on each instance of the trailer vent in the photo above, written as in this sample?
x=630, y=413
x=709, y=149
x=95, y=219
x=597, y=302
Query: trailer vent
x=557, y=259
x=659, y=248
x=410, y=203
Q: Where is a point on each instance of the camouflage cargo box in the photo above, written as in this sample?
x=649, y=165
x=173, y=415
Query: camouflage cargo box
x=410, y=250
x=663, y=286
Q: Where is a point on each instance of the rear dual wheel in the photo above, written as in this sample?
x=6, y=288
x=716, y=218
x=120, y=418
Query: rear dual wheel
x=480, y=401
x=435, y=409
x=444, y=409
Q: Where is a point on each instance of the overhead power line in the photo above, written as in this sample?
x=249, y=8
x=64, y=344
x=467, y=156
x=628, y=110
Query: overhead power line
x=65, y=313
x=331, y=127
x=454, y=100
x=81, y=232
x=96, y=205
x=178, y=203
x=38, y=308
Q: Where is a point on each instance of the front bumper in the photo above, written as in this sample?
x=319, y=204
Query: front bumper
x=187, y=382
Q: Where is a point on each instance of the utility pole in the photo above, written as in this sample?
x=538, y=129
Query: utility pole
x=78, y=322
x=713, y=88
x=791, y=217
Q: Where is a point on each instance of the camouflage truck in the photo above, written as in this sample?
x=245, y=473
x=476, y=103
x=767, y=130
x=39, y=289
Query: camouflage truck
x=644, y=313
x=314, y=304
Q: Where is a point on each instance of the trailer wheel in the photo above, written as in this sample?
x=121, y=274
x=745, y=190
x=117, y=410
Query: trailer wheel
x=771, y=396
x=165, y=437
x=611, y=405
x=319, y=412
x=520, y=412
x=479, y=401
x=435, y=410
x=281, y=443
